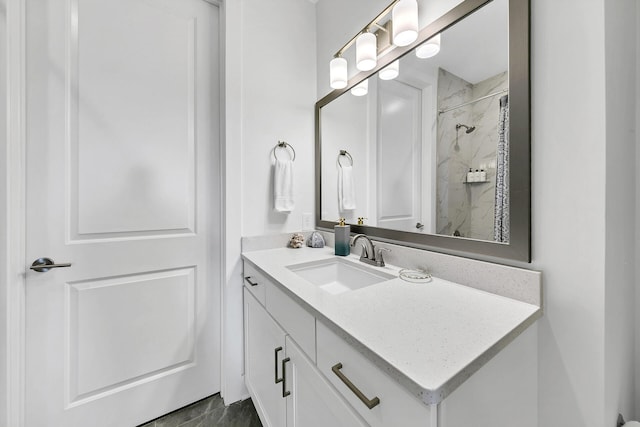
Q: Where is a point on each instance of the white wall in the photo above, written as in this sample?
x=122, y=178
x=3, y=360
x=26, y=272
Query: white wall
x=583, y=119
x=578, y=110
x=269, y=96
x=278, y=97
x=232, y=366
x=568, y=215
x=3, y=218
x=620, y=51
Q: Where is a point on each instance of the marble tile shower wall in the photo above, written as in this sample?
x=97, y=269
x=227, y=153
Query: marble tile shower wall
x=452, y=154
x=466, y=208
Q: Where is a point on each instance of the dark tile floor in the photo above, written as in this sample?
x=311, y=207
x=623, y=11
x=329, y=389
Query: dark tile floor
x=210, y=412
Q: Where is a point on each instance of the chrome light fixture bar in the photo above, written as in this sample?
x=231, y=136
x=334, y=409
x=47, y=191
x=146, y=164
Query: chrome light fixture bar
x=371, y=45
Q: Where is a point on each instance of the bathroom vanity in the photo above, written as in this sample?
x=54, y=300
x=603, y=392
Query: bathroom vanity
x=330, y=341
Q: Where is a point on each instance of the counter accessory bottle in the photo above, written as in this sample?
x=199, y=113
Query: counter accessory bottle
x=342, y=236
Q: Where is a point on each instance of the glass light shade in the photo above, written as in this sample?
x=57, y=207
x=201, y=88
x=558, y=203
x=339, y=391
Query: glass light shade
x=338, y=73
x=361, y=88
x=391, y=71
x=366, y=51
x=405, y=22
x=429, y=48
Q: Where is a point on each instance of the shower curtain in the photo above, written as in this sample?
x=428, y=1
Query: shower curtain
x=501, y=215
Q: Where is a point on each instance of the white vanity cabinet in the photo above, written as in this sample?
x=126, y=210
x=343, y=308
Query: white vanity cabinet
x=255, y=282
x=380, y=400
x=313, y=402
x=264, y=351
x=503, y=390
x=303, y=371
x=284, y=384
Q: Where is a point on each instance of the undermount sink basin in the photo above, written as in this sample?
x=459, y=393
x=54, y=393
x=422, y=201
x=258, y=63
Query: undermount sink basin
x=336, y=275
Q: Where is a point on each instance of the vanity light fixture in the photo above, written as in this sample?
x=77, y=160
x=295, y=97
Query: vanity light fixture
x=429, y=48
x=391, y=71
x=400, y=30
x=338, y=73
x=361, y=88
x=405, y=22
x=366, y=51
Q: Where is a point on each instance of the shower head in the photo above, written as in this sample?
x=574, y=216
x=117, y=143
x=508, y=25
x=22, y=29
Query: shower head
x=469, y=129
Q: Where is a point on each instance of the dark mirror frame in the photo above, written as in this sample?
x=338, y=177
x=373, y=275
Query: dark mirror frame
x=519, y=247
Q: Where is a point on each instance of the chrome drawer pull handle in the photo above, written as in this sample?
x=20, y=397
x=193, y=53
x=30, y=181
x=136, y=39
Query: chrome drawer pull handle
x=248, y=279
x=277, y=350
x=284, y=377
x=370, y=403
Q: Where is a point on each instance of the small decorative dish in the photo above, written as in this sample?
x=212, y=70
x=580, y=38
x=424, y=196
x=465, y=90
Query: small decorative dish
x=415, y=276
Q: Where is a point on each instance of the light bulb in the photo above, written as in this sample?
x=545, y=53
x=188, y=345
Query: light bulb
x=391, y=71
x=405, y=22
x=338, y=73
x=361, y=88
x=429, y=48
x=366, y=51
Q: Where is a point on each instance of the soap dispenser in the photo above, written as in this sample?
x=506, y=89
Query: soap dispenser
x=342, y=236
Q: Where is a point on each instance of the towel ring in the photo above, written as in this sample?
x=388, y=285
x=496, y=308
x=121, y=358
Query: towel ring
x=283, y=144
x=346, y=154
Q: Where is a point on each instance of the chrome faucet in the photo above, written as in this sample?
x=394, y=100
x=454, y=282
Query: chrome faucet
x=369, y=253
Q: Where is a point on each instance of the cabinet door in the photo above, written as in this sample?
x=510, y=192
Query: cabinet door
x=312, y=401
x=264, y=351
x=503, y=393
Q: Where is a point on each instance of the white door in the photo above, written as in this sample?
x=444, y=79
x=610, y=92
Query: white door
x=399, y=153
x=123, y=183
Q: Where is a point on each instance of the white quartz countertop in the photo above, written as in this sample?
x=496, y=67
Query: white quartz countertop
x=430, y=337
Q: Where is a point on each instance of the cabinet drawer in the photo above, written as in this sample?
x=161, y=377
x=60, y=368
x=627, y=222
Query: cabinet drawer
x=298, y=323
x=254, y=282
x=396, y=406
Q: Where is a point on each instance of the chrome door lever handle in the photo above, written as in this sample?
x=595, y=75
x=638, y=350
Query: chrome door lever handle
x=42, y=265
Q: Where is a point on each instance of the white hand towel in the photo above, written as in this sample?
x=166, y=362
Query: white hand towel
x=283, y=186
x=346, y=189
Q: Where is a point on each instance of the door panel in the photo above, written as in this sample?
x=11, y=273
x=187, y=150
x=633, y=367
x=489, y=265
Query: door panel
x=123, y=179
x=134, y=143
x=399, y=200
x=156, y=306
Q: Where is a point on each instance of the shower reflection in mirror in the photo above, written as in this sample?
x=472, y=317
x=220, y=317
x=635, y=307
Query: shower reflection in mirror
x=471, y=128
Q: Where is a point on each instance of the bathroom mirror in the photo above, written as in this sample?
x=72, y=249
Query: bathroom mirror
x=437, y=157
